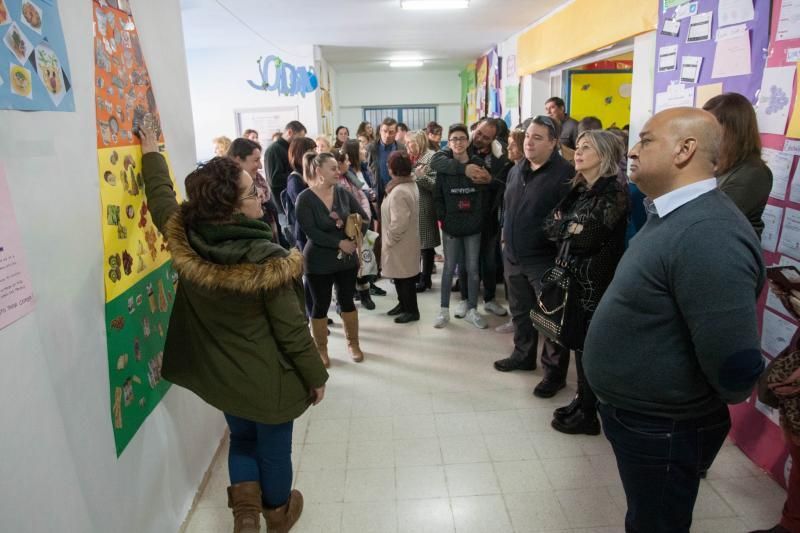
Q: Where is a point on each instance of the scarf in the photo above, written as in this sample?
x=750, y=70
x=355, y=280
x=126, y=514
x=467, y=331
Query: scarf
x=397, y=180
x=241, y=228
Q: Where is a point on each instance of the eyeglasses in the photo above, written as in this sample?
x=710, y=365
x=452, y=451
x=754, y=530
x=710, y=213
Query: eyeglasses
x=547, y=122
x=459, y=139
x=252, y=193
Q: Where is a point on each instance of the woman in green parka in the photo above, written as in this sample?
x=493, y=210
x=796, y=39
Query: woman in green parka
x=238, y=335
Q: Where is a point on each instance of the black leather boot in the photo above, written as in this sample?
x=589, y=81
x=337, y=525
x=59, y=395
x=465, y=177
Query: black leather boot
x=366, y=300
x=563, y=412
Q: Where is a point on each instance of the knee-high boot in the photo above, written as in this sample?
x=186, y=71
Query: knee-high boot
x=319, y=330
x=350, y=320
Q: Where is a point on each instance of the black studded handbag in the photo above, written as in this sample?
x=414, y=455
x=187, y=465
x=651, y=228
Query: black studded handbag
x=559, y=314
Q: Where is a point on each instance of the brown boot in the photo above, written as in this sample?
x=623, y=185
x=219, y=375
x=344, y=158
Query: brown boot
x=245, y=500
x=282, y=519
x=319, y=330
x=350, y=320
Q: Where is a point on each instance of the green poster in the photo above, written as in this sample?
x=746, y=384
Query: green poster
x=672, y=3
x=512, y=97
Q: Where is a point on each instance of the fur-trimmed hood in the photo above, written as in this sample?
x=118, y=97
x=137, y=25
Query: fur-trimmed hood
x=274, y=272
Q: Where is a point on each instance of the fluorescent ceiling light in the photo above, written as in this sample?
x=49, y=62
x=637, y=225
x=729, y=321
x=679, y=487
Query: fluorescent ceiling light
x=434, y=4
x=406, y=63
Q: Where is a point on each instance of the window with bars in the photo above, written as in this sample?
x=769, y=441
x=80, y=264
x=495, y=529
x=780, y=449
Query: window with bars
x=415, y=117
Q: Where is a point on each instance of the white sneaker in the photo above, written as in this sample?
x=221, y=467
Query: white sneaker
x=476, y=319
x=461, y=309
x=508, y=327
x=495, y=308
x=442, y=319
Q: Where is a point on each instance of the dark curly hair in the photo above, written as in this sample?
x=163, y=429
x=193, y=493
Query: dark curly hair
x=400, y=164
x=213, y=192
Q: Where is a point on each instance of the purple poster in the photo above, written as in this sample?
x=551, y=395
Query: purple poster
x=701, y=52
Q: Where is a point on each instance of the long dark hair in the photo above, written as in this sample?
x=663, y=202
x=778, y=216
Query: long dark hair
x=353, y=150
x=213, y=192
x=740, y=139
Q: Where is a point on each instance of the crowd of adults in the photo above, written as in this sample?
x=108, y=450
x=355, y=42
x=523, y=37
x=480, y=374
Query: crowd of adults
x=662, y=241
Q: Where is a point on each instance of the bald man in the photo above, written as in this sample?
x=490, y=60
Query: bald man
x=675, y=338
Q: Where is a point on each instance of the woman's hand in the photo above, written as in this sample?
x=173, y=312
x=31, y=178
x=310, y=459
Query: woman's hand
x=347, y=246
x=147, y=134
x=317, y=395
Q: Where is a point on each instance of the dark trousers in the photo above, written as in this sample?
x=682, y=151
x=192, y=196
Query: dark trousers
x=407, y=294
x=660, y=462
x=522, y=285
x=487, y=268
x=588, y=399
x=428, y=255
x=321, y=286
x=263, y=453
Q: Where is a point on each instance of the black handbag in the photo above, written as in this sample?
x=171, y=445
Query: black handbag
x=559, y=313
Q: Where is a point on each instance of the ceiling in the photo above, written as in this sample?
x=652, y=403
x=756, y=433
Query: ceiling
x=359, y=35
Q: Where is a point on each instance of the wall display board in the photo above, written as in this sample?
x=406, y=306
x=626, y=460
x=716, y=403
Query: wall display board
x=16, y=291
x=605, y=95
x=139, y=281
x=469, y=110
x=705, y=47
x=493, y=102
x=755, y=426
x=34, y=70
x=481, y=86
x=511, y=86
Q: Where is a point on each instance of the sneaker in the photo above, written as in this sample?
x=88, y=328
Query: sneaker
x=461, y=309
x=442, y=318
x=508, y=327
x=474, y=318
x=495, y=308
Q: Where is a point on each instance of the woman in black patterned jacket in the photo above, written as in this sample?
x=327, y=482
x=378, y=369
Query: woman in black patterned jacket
x=593, y=218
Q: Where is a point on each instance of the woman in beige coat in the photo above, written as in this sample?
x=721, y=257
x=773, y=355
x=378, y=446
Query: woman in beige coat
x=400, y=248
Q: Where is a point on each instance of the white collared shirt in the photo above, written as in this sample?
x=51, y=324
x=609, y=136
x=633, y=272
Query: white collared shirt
x=667, y=203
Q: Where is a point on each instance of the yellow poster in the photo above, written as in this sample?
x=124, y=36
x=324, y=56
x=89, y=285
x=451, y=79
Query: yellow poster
x=793, y=130
x=605, y=95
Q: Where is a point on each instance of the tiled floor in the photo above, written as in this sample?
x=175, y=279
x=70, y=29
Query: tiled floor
x=425, y=436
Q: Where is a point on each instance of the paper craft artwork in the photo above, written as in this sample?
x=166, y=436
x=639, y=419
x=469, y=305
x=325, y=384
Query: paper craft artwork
x=32, y=16
x=792, y=146
x=772, y=218
x=735, y=11
x=793, y=129
x=732, y=54
x=676, y=95
x=776, y=333
x=794, y=190
x=19, y=45
x=686, y=10
x=20, y=81
x=668, y=58
x=690, y=68
x=700, y=27
x=789, y=22
x=772, y=108
x=707, y=92
x=33, y=40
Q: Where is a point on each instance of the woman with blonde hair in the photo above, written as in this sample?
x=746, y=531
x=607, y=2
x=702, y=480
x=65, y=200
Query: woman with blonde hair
x=428, y=227
x=591, y=221
x=366, y=129
x=323, y=144
x=221, y=145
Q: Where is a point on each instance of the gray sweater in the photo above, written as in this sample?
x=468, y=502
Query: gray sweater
x=676, y=333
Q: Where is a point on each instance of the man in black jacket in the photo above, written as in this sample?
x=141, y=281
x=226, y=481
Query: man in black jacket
x=535, y=186
x=276, y=159
x=481, y=147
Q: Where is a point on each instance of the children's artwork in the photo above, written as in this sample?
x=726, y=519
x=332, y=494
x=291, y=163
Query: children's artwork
x=793, y=129
x=774, y=99
x=16, y=290
x=32, y=16
x=139, y=281
x=34, y=41
x=4, y=16
x=20, y=81
x=19, y=45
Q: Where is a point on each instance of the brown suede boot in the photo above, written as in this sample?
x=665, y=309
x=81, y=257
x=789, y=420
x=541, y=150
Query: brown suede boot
x=245, y=500
x=350, y=320
x=282, y=519
x=319, y=330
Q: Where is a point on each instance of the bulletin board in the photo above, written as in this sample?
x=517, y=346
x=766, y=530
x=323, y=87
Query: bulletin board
x=755, y=426
x=481, y=86
x=493, y=103
x=34, y=69
x=469, y=110
x=605, y=95
x=140, y=284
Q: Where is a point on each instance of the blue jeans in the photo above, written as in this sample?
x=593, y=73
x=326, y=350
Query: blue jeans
x=487, y=266
x=660, y=462
x=263, y=453
x=466, y=252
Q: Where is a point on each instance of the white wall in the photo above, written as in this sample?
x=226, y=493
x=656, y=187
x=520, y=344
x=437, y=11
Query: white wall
x=218, y=85
x=58, y=464
x=354, y=90
x=644, y=66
